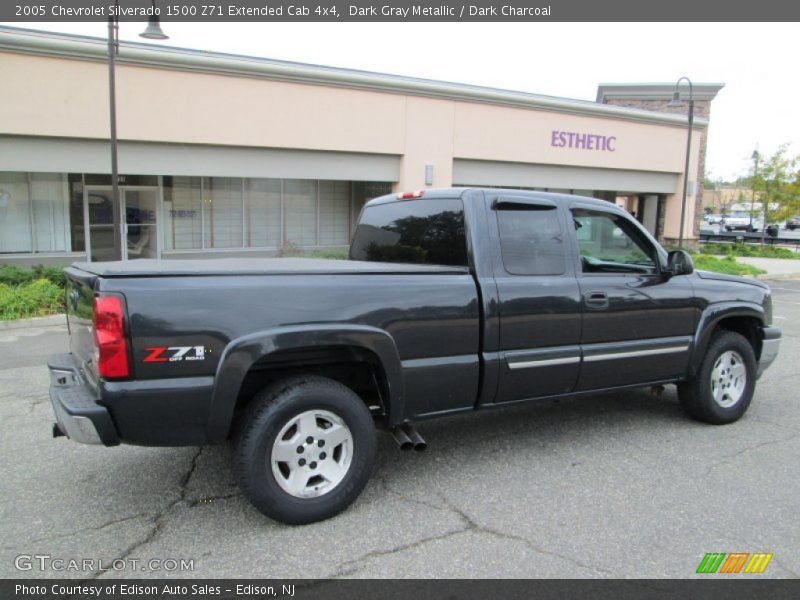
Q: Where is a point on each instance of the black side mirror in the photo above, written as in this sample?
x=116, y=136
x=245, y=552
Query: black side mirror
x=679, y=262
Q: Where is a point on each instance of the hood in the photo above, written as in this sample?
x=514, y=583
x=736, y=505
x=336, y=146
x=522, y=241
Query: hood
x=731, y=278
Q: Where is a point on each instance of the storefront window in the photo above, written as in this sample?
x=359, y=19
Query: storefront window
x=33, y=212
x=262, y=211
x=183, y=219
x=300, y=210
x=334, y=213
x=222, y=201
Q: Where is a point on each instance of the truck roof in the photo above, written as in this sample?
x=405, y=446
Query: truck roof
x=459, y=192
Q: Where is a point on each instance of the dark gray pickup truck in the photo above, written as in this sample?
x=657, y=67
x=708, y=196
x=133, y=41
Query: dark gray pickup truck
x=452, y=301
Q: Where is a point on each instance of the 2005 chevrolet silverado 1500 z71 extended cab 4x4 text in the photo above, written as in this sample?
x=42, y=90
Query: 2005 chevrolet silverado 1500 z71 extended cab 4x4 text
x=452, y=301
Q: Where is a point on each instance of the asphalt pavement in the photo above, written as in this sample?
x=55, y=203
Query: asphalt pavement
x=621, y=485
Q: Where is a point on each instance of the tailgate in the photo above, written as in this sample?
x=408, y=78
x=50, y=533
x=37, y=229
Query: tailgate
x=80, y=295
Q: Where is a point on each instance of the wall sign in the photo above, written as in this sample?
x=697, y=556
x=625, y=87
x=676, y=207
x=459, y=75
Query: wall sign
x=583, y=141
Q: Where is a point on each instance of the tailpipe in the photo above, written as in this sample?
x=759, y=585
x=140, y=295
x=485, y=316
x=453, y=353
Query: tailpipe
x=420, y=445
x=403, y=441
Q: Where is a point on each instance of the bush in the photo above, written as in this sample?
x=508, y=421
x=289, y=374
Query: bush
x=748, y=250
x=331, y=254
x=35, y=299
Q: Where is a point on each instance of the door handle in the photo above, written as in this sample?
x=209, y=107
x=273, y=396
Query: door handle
x=596, y=299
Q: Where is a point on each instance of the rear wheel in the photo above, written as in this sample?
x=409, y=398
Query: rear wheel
x=304, y=450
x=723, y=388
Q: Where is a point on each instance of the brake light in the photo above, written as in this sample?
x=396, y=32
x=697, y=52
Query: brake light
x=411, y=195
x=111, y=348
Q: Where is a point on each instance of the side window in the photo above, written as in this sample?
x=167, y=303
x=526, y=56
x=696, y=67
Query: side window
x=610, y=243
x=531, y=240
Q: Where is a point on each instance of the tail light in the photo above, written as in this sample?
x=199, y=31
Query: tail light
x=111, y=347
x=411, y=195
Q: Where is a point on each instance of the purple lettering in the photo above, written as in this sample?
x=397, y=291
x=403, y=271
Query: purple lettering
x=583, y=141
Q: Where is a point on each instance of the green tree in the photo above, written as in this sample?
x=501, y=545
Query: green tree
x=777, y=182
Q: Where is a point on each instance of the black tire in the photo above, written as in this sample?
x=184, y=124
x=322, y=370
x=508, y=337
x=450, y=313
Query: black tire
x=268, y=413
x=696, y=395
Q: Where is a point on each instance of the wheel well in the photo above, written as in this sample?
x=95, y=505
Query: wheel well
x=357, y=368
x=749, y=327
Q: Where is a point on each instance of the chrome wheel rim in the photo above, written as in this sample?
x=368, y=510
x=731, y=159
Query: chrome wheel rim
x=728, y=379
x=312, y=454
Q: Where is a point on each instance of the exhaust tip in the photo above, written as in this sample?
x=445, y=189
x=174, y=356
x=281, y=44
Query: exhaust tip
x=402, y=440
x=420, y=447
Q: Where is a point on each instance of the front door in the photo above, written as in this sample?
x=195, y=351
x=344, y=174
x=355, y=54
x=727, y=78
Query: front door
x=638, y=322
x=139, y=206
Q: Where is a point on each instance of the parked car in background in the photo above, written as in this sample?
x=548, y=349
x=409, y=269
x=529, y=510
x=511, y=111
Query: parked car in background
x=713, y=219
x=742, y=221
x=793, y=223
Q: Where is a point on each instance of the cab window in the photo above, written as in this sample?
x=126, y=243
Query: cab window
x=610, y=243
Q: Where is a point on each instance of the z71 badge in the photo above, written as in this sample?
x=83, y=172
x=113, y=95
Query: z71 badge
x=159, y=354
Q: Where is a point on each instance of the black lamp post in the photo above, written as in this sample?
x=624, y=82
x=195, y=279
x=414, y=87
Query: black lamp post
x=676, y=101
x=153, y=32
x=756, y=156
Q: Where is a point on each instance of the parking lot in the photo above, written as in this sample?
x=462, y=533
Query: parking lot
x=622, y=485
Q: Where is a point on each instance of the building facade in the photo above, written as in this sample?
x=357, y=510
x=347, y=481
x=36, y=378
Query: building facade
x=225, y=155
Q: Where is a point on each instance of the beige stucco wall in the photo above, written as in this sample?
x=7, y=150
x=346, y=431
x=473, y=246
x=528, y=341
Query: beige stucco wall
x=48, y=96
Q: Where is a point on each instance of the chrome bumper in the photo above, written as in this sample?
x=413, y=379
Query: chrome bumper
x=769, y=349
x=78, y=415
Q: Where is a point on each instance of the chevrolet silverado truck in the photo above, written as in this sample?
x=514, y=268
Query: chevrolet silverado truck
x=452, y=301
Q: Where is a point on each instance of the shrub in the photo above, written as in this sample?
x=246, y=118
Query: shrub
x=37, y=298
x=15, y=276
x=748, y=250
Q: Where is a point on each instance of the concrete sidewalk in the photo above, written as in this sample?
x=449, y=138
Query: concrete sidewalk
x=781, y=268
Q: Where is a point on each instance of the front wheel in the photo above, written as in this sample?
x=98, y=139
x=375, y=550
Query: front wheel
x=723, y=387
x=304, y=450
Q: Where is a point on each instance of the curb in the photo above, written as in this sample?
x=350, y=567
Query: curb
x=50, y=321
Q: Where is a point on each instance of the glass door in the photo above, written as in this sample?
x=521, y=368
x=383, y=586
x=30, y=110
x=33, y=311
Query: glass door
x=98, y=215
x=140, y=207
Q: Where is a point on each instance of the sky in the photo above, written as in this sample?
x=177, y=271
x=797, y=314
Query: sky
x=757, y=62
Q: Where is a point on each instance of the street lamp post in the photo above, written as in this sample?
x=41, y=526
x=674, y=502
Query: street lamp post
x=152, y=32
x=755, y=158
x=677, y=102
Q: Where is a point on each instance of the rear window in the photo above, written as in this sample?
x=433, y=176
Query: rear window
x=412, y=231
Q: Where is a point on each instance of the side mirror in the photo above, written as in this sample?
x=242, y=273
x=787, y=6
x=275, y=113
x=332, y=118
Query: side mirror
x=679, y=262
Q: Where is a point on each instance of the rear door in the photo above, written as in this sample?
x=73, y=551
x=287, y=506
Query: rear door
x=539, y=306
x=638, y=321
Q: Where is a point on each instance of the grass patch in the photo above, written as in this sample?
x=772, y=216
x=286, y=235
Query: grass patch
x=332, y=254
x=35, y=299
x=727, y=265
x=753, y=250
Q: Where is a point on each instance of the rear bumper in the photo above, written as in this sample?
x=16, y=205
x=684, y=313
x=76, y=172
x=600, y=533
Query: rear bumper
x=78, y=415
x=769, y=349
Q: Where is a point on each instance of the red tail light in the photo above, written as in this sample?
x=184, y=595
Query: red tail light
x=411, y=195
x=111, y=348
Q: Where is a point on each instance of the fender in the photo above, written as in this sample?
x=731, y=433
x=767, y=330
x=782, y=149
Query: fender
x=712, y=315
x=242, y=353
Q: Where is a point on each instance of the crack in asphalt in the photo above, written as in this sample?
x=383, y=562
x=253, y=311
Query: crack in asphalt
x=157, y=518
x=58, y=536
x=475, y=526
x=351, y=567
x=731, y=457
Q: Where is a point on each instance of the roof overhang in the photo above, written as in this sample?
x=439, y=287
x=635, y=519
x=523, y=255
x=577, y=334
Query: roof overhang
x=654, y=91
x=133, y=53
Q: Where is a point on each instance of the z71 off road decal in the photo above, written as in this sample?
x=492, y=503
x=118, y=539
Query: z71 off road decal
x=159, y=354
